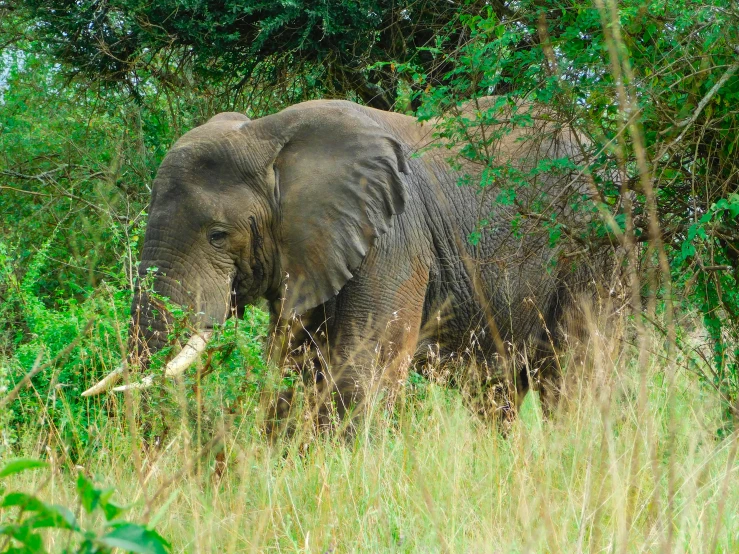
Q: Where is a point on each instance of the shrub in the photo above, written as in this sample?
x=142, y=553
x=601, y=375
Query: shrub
x=22, y=532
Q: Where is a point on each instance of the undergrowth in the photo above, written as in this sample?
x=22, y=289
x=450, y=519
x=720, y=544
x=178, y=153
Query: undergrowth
x=629, y=463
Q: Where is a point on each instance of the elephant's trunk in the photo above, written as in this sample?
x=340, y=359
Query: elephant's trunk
x=148, y=327
x=177, y=267
x=148, y=331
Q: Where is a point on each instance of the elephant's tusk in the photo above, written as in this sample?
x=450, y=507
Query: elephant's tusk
x=105, y=383
x=177, y=365
x=145, y=383
x=189, y=353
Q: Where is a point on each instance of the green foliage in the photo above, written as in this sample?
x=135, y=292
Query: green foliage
x=92, y=95
x=672, y=102
x=47, y=331
x=703, y=266
x=32, y=515
x=74, y=185
x=17, y=466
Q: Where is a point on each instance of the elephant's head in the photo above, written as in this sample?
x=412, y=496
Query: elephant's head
x=284, y=208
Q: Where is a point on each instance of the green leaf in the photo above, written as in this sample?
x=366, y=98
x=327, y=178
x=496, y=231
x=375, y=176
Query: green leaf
x=46, y=515
x=687, y=250
x=22, y=464
x=555, y=233
x=56, y=516
x=696, y=230
x=506, y=197
x=23, y=534
x=25, y=502
x=135, y=538
x=733, y=205
x=112, y=510
x=89, y=495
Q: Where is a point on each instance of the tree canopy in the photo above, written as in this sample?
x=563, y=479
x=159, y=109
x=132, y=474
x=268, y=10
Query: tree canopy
x=237, y=42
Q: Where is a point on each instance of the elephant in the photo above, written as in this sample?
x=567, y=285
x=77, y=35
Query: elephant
x=357, y=235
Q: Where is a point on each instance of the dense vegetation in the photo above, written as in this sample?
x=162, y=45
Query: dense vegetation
x=92, y=94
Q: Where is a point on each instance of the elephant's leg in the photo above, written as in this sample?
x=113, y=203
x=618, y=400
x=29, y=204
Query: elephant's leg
x=298, y=346
x=548, y=382
x=547, y=352
x=376, y=329
x=567, y=353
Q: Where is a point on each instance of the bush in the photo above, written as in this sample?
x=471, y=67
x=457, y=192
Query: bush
x=32, y=515
x=653, y=89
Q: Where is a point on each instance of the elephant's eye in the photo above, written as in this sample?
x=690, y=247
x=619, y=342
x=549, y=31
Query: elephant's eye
x=217, y=238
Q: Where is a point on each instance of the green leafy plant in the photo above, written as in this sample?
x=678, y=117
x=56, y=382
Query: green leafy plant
x=703, y=267
x=652, y=89
x=26, y=516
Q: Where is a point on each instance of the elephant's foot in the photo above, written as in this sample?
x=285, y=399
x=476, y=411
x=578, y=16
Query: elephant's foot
x=550, y=395
x=302, y=413
x=280, y=414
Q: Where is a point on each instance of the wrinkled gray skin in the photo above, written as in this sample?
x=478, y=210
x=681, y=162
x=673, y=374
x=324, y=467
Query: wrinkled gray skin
x=322, y=210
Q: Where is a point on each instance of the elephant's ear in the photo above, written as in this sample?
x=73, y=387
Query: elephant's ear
x=338, y=186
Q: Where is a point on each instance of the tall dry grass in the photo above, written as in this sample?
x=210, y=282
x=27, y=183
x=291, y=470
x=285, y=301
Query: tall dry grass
x=630, y=463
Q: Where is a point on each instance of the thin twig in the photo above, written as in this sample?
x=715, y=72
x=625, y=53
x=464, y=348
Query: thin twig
x=717, y=268
x=685, y=124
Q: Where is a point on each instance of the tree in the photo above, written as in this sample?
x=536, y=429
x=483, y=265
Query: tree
x=329, y=46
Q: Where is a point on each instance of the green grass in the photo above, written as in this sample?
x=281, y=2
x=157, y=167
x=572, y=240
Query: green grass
x=630, y=463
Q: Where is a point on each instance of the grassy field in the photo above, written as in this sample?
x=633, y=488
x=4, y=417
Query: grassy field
x=630, y=463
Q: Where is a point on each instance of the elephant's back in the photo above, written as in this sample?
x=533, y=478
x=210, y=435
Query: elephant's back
x=495, y=271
